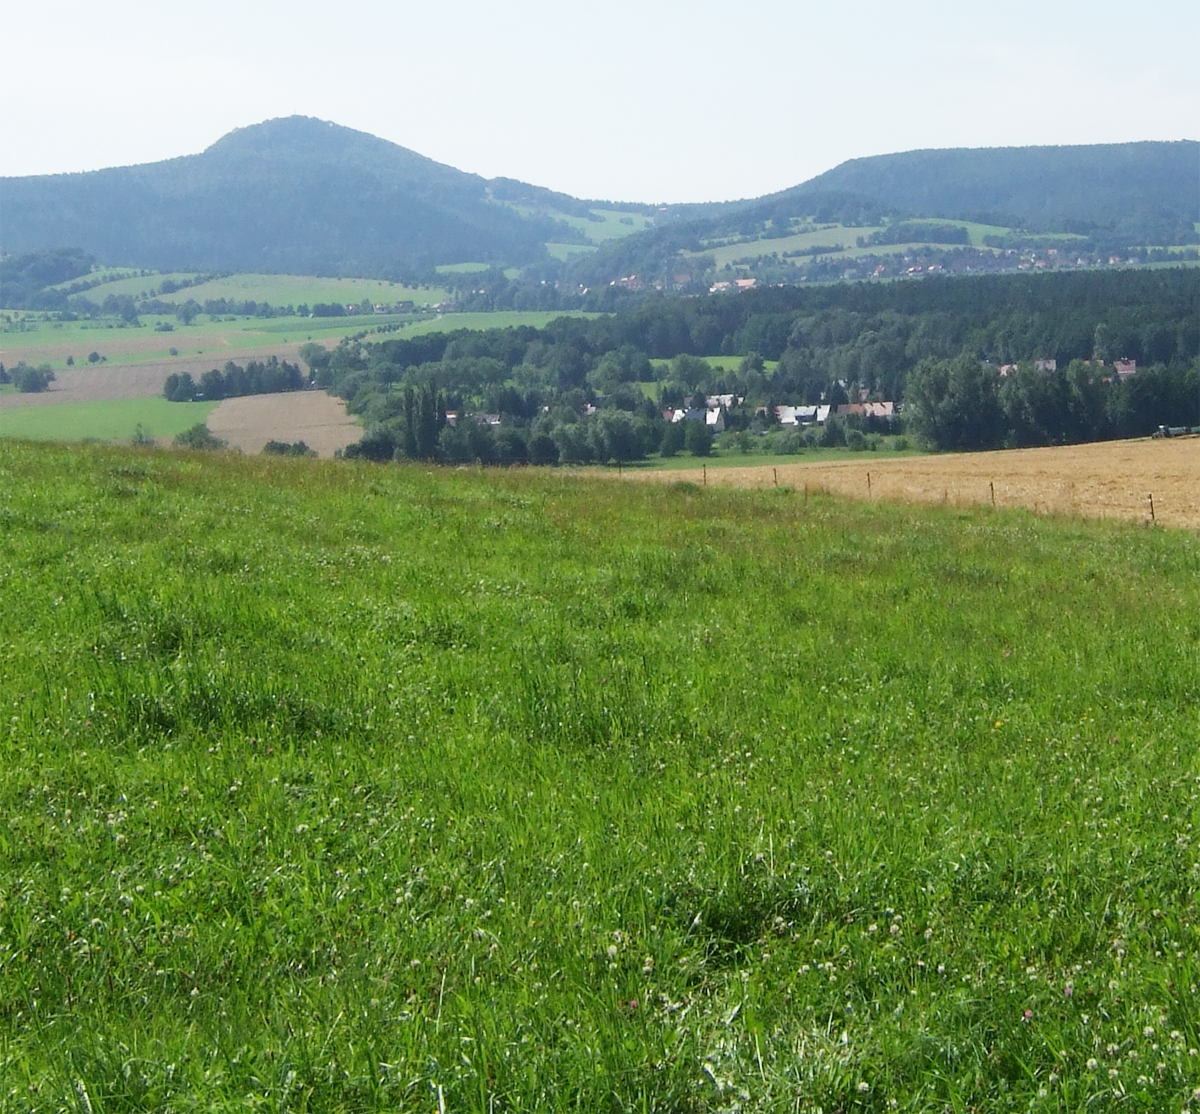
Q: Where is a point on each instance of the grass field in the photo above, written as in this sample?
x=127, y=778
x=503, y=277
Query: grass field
x=565, y=251
x=278, y=290
x=103, y=419
x=330, y=787
x=45, y=341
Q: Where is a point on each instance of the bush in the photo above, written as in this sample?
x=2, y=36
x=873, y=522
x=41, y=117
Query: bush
x=283, y=448
x=199, y=437
x=855, y=441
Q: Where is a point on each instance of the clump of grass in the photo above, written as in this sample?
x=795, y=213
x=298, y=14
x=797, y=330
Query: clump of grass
x=356, y=788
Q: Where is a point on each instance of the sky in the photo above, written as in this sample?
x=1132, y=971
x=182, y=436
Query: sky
x=636, y=100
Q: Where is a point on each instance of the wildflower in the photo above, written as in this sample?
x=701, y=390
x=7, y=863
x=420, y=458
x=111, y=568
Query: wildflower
x=1148, y=1031
x=1027, y=1017
x=863, y=1087
x=1093, y=1064
x=1068, y=990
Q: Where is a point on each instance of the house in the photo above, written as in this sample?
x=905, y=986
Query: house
x=1007, y=369
x=728, y=401
x=1046, y=365
x=718, y=287
x=715, y=419
x=1125, y=368
x=802, y=415
x=745, y=283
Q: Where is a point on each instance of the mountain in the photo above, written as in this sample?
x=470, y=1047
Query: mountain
x=291, y=195
x=305, y=196
x=1048, y=189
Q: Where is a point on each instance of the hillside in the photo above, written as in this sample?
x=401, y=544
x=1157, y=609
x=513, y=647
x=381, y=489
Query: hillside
x=291, y=195
x=1148, y=190
x=304, y=196
x=343, y=788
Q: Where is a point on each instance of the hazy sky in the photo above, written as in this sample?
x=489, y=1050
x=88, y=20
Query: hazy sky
x=654, y=100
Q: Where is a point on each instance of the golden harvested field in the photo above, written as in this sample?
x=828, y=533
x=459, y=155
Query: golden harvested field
x=313, y=417
x=1109, y=479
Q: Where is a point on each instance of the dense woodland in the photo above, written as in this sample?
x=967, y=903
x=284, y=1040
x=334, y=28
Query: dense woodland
x=589, y=386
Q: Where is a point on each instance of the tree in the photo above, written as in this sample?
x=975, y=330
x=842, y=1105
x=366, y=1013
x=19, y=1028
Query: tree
x=953, y=404
x=32, y=380
x=698, y=438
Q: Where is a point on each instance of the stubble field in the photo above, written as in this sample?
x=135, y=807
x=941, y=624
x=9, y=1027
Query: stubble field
x=314, y=417
x=1108, y=479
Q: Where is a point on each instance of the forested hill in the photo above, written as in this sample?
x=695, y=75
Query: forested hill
x=304, y=196
x=291, y=195
x=1154, y=186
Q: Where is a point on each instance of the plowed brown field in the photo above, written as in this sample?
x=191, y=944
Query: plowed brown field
x=1110, y=479
x=313, y=417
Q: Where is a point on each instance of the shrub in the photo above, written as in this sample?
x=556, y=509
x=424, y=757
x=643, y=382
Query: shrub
x=199, y=437
x=284, y=448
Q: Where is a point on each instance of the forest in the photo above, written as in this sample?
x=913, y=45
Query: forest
x=596, y=388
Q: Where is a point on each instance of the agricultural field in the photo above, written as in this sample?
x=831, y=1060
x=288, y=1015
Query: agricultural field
x=314, y=417
x=1105, y=479
x=111, y=419
x=329, y=786
x=211, y=343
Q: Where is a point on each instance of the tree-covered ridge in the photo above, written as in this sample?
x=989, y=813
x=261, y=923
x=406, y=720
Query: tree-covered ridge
x=1144, y=192
x=303, y=196
x=590, y=386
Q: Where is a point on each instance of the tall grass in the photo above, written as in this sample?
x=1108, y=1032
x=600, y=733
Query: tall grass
x=339, y=788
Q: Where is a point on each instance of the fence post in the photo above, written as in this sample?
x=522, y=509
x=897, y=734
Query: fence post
x=1151, y=498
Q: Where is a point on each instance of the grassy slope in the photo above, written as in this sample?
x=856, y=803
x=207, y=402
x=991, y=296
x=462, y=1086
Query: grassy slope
x=334, y=787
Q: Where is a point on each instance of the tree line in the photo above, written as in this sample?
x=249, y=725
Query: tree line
x=271, y=376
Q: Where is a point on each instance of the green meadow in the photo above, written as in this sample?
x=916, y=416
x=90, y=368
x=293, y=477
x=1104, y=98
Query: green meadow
x=37, y=339
x=347, y=788
x=278, y=290
x=103, y=419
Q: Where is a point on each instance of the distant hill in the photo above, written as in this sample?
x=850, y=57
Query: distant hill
x=291, y=195
x=303, y=196
x=1049, y=189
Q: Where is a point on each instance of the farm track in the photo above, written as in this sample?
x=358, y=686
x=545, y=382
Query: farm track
x=314, y=417
x=1109, y=479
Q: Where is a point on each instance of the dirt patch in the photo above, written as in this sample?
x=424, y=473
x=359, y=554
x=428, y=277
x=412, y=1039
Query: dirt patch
x=1111, y=479
x=86, y=384
x=313, y=417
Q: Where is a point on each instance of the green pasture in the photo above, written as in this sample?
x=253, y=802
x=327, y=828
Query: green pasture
x=501, y=319
x=611, y=226
x=339, y=787
x=102, y=419
x=727, y=455
x=294, y=290
x=119, y=280
x=474, y=269
x=39, y=340
x=565, y=251
x=833, y=237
